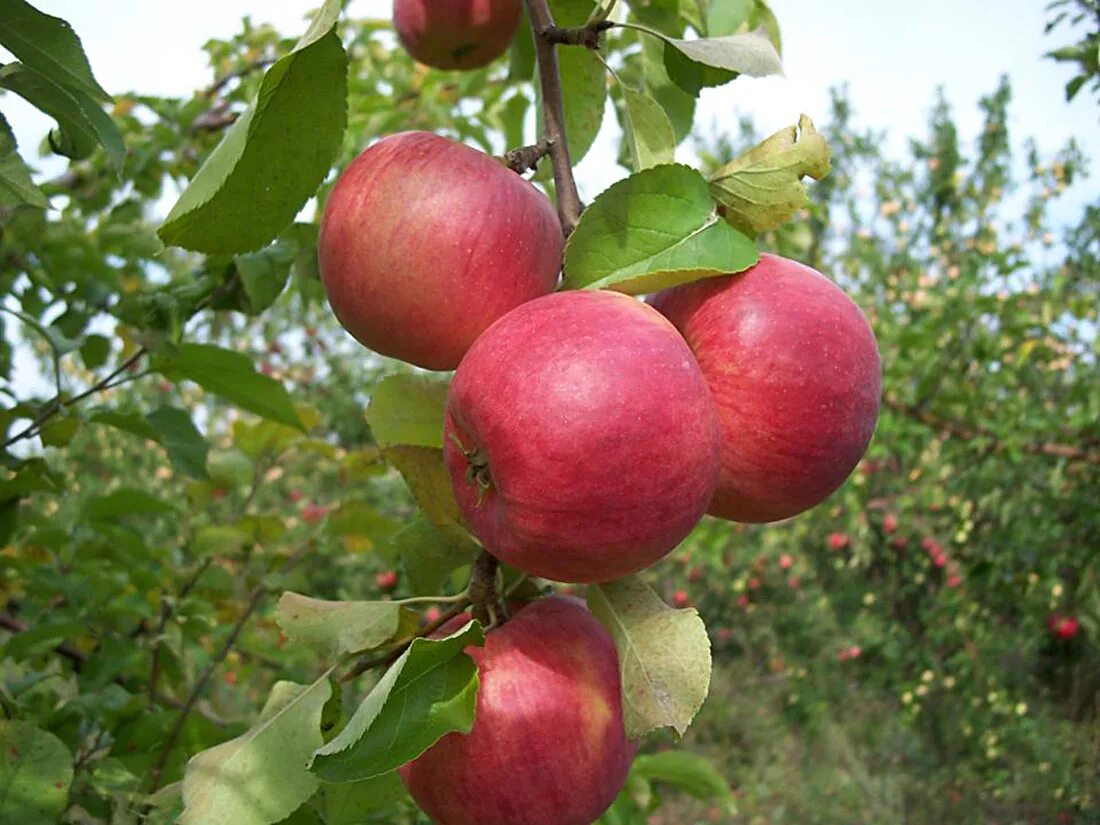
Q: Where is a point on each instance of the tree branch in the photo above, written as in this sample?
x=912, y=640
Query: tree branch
x=527, y=158
x=553, y=116
x=966, y=432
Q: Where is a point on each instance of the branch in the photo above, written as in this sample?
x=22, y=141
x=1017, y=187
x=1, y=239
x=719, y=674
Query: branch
x=553, y=116
x=587, y=36
x=966, y=432
x=257, y=596
x=489, y=608
x=527, y=158
x=165, y=616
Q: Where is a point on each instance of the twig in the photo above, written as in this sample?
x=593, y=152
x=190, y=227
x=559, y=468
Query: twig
x=553, y=116
x=165, y=616
x=257, y=596
x=527, y=158
x=363, y=665
x=587, y=36
x=489, y=608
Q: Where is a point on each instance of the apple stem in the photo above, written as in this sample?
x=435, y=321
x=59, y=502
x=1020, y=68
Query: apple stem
x=484, y=590
x=553, y=116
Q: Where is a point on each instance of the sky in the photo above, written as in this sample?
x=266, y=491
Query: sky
x=891, y=55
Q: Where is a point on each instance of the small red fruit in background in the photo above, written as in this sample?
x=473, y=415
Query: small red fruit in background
x=954, y=580
x=680, y=598
x=695, y=574
x=432, y=614
x=295, y=496
x=890, y=523
x=313, y=513
x=231, y=678
x=794, y=582
x=754, y=583
x=723, y=634
x=218, y=493
x=838, y=541
x=786, y=562
x=1064, y=627
x=386, y=580
x=743, y=600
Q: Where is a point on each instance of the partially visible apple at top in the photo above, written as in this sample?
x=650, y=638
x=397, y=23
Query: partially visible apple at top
x=456, y=34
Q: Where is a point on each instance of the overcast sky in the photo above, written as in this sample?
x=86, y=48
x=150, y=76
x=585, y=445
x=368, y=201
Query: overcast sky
x=892, y=55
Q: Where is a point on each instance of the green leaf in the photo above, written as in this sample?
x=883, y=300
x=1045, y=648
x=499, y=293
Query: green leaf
x=653, y=230
x=408, y=410
x=60, y=431
x=648, y=130
x=334, y=629
x=688, y=772
x=427, y=693
x=406, y=417
x=230, y=468
x=678, y=105
x=430, y=555
x=82, y=124
x=274, y=157
x=751, y=53
x=230, y=375
x=44, y=635
x=219, y=540
x=348, y=802
x=95, y=351
x=184, y=444
x=35, y=773
x=762, y=188
x=726, y=16
x=692, y=76
x=264, y=275
x=664, y=655
x=49, y=46
x=16, y=185
x=260, y=777
x=125, y=502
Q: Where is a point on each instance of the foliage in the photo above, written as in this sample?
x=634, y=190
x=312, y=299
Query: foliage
x=194, y=444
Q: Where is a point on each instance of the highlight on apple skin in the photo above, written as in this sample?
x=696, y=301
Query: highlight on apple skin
x=580, y=437
x=424, y=242
x=548, y=743
x=794, y=368
x=456, y=34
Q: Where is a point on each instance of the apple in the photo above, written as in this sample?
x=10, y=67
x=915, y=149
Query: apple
x=424, y=242
x=786, y=561
x=580, y=437
x=838, y=541
x=313, y=513
x=889, y=523
x=794, y=368
x=681, y=598
x=456, y=34
x=1064, y=627
x=548, y=743
x=386, y=580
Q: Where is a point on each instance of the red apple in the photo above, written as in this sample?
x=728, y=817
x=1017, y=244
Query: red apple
x=681, y=598
x=795, y=370
x=1065, y=627
x=695, y=574
x=425, y=242
x=580, y=437
x=548, y=743
x=889, y=523
x=838, y=541
x=313, y=513
x=386, y=580
x=786, y=561
x=456, y=34
x=432, y=614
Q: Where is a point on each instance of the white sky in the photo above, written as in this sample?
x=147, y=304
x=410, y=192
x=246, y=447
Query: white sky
x=892, y=55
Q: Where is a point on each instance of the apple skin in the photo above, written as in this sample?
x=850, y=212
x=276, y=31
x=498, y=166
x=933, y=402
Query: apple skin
x=425, y=242
x=456, y=34
x=794, y=368
x=597, y=432
x=548, y=743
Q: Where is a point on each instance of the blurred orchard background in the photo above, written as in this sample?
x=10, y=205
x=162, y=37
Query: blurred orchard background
x=922, y=648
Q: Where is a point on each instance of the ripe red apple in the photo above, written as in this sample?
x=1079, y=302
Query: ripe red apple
x=580, y=437
x=681, y=598
x=425, y=242
x=838, y=541
x=456, y=34
x=795, y=370
x=386, y=580
x=548, y=743
x=1064, y=627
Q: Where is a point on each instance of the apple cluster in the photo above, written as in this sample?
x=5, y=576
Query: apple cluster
x=586, y=433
